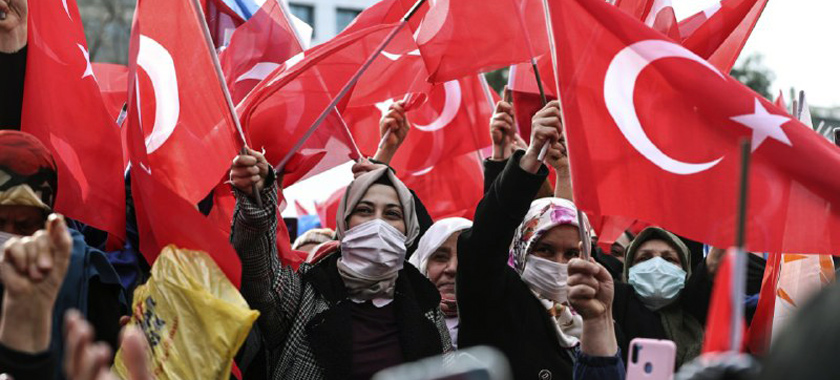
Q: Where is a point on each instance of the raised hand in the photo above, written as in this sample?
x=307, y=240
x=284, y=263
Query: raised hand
x=546, y=128
x=249, y=169
x=591, y=292
x=32, y=269
x=393, y=129
x=86, y=360
x=502, y=129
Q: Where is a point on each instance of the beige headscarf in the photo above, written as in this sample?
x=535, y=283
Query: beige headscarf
x=359, y=286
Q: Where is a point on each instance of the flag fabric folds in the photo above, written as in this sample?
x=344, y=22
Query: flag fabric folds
x=639, y=106
x=190, y=133
x=63, y=107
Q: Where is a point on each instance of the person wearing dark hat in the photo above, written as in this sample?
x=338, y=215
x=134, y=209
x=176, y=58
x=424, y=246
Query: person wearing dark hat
x=28, y=189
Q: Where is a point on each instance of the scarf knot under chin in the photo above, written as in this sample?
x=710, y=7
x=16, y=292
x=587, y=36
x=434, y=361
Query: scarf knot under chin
x=367, y=288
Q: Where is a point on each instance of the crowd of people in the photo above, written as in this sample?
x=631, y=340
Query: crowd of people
x=389, y=286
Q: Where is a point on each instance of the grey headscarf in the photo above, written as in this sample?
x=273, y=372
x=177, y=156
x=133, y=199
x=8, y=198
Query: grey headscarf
x=358, y=285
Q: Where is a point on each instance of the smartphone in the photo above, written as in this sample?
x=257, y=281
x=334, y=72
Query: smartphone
x=651, y=359
x=837, y=136
x=475, y=363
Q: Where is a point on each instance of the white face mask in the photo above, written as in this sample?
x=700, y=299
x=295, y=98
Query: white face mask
x=657, y=282
x=547, y=278
x=373, y=249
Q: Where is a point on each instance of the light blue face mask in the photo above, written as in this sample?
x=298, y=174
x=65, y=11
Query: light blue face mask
x=657, y=282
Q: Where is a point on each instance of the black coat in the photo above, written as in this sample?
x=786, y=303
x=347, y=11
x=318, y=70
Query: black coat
x=495, y=306
x=12, y=72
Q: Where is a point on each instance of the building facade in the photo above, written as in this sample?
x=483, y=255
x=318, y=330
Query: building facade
x=327, y=17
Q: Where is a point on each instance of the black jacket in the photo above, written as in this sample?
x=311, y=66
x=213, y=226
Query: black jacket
x=12, y=72
x=495, y=306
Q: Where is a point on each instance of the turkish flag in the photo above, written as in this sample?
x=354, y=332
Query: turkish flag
x=454, y=120
x=257, y=48
x=63, y=107
x=221, y=21
x=451, y=188
x=113, y=84
x=758, y=335
x=662, y=19
x=283, y=108
x=190, y=134
x=635, y=8
x=164, y=217
x=720, y=38
x=719, y=321
x=399, y=69
x=652, y=137
x=328, y=210
x=458, y=38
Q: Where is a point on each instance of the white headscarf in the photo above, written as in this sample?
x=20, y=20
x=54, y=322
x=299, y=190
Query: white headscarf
x=434, y=237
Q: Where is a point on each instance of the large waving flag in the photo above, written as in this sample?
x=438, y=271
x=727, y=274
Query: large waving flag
x=640, y=106
x=257, y=48
x=718, y=34
x=63, y=107
x=282, y=110
x=190, y=134
x=457, y=38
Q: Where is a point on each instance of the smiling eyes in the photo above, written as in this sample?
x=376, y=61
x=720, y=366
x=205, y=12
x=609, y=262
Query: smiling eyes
x=392, y=213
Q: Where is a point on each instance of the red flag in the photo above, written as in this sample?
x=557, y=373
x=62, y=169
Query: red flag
x=328, y=211
x=284, y=107
x=758, y=335
x=452, y=121
x=451, y=188
x=662, y=19
x=723, y=35
x=63, y=107
x=637, y=106
x=398, y=69
x=780, y=101
x=113, y=84
x=164, y=217
x=257, y=48
x=719, y=321
x=221, y=21
x=457, y=38
x=190, y=135
x=690, y=24
x=635, y=8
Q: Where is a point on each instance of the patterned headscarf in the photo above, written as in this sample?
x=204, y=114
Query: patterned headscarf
x=544, y=214
x=28, y=175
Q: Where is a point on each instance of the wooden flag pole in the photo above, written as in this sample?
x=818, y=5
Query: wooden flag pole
x=736, y=332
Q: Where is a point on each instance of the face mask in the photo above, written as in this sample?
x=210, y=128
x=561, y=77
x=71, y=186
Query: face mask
x=373, y=249
x=657, y=282
x=547, y=278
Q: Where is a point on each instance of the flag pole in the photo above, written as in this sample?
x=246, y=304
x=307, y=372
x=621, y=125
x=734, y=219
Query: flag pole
x=736, y=332
x=223, y=84
x=349, y=84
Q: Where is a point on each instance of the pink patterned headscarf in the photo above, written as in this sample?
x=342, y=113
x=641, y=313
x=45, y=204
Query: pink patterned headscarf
x=544, y=214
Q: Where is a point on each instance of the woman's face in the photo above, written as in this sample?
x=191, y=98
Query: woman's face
x=443, y=265
x=379, y=202
x=560, y=244
x=657, y=248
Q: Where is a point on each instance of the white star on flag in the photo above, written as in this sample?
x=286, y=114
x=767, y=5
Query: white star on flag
x=764, y=125
x=88, y=68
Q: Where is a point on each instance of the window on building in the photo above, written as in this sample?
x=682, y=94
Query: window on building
x=344, y=16
x=306, y=13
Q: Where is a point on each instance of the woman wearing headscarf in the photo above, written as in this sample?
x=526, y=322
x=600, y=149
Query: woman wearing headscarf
x=437, y=258
x=519, y=309
x=663, y=297
x=354, y=312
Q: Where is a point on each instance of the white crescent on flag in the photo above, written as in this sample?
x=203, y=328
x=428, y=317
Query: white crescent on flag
x=619, y=86
x=159, y=66
x=451, y=106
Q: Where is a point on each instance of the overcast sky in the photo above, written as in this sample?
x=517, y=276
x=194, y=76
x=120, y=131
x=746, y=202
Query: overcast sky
x=800, y=41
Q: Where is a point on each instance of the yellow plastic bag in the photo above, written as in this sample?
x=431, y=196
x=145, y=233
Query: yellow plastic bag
x=194, y=319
